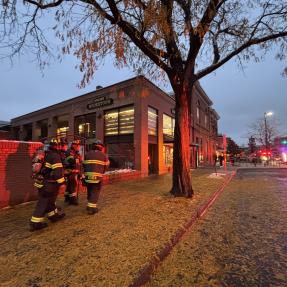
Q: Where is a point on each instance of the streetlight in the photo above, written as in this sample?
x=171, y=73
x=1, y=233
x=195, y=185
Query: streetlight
x=266, y=114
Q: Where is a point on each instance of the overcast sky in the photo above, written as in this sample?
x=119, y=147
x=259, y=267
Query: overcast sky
x=240, y=98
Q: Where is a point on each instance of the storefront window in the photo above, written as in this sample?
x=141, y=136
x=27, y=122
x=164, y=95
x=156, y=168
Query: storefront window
x=126, y=120
x=119, y=121
x=62, y=131
x=167, y=155
x=152, y=121
x=111, y=122
x=85, y=125
x=121, y=155
x=168, y=125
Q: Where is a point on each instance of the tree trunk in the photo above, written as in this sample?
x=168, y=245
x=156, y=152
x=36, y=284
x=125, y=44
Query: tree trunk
x=181, y=178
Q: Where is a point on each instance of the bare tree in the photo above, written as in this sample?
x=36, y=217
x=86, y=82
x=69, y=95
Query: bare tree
x=184, y=40
x=264, y=134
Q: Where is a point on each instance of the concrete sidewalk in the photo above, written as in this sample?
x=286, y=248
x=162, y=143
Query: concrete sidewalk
x=136, y=220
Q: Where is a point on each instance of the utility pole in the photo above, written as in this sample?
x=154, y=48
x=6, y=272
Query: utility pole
x=266, y=114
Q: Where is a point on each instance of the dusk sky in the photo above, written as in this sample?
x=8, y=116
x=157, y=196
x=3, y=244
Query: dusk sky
x=240, y=98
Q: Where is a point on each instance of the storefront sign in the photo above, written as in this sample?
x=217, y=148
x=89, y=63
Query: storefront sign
x=100, y=102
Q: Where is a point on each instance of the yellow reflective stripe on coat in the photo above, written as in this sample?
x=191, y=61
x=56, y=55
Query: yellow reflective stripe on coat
x=51, y=213
x=37, y=219
x=48, y=165
x=93, y=205
x=38, y=185
x=91, y=181
x=94, y=161
x=60, y=180
x=53, y=166
x=56, y=165
x=93, y=174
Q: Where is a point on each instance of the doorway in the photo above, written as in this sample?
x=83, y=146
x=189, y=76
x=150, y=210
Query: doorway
x=152, y=159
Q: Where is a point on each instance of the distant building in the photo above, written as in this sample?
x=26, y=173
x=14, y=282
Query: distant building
x=134, y=119
x=5, y=130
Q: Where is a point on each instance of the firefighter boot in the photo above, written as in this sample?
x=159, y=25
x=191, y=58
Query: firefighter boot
x=37, y=225
x=67, y=198
x=91, y=210
x=73, y=201
x=56, y=217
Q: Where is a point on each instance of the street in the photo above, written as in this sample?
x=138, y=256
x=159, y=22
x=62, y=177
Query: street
x=241, y=241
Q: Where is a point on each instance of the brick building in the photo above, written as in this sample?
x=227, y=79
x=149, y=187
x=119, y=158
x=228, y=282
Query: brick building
x=135, y=120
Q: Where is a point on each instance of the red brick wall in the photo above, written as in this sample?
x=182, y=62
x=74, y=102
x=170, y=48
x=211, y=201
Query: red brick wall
x=4, y=135
x=16, y=184
x=111, y=178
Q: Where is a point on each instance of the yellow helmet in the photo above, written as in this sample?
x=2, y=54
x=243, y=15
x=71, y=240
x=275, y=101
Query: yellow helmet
x=54, y=142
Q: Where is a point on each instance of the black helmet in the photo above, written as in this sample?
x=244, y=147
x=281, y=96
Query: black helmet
x=63, y=141
x=97, y=144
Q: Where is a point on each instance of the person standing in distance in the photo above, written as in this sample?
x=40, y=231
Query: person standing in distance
x=95, y=164
x=53, y=177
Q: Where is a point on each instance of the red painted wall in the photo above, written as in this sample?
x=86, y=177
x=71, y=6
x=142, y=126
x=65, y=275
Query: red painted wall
x=16, y=184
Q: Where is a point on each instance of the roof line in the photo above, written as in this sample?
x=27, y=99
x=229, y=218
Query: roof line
x=92, y=92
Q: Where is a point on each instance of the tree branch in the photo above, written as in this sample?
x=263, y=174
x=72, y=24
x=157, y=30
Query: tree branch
x=138, y=39
x=203, y=26
x=248, y=44
x=45, y=6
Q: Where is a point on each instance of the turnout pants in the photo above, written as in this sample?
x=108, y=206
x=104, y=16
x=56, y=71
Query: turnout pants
x=46, y=202
x=71, y=193
x=93, y=194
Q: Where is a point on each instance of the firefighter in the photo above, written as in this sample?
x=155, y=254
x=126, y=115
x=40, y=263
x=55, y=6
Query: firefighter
x=95, y=164
x=63, y=148
x=73, y=169
x=53, y=177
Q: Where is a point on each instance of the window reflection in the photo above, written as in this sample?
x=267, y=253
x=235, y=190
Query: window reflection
x=119, y=121
x=85, y=125
x=152, y=121
x=168, y=125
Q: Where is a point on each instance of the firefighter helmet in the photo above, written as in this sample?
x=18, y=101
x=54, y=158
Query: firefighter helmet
x=97, y=144
x=63, y=141
x=76, y=142
x=53, y=142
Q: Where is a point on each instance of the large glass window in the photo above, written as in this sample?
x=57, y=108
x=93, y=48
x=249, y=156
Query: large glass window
x=126, y=120
x=121, y=155
x=119, y=121
x=168, y=125
x=198, y=112
x=111, y=122
x=63, y=131
x=85, y=125
x=152, y=121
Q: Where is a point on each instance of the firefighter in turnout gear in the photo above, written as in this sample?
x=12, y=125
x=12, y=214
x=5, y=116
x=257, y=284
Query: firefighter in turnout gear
x=72, y=171
x=63, y=150
x=53, y=177
x=95, y=164
x=63, y=153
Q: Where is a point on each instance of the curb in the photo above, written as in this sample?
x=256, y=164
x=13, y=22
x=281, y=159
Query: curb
x=146, y=272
